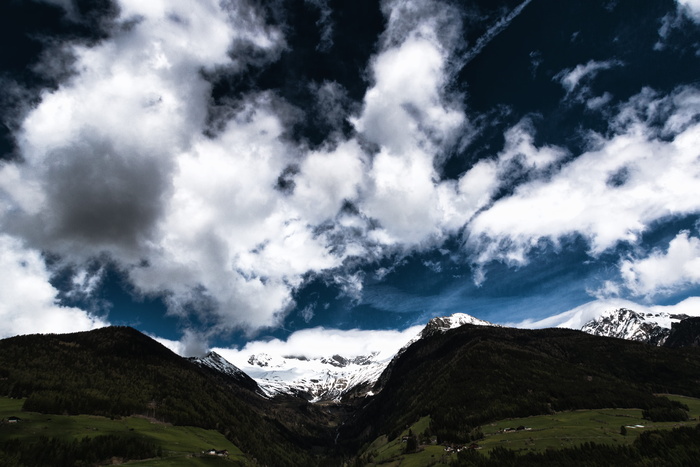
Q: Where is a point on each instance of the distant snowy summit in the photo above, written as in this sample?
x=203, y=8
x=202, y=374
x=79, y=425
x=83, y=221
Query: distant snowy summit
x=316, y=379
x=335, y=377
x=651, y=328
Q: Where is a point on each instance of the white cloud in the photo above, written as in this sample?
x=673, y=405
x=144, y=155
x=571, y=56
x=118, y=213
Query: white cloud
x=664, y=271
x=115, y=161
x=318, y=342
x=572, y=78
x=99, y=151
x=326, y=179
x=577, y=317
x=204, y=220
x=175, y=346
x=190, y=345
x=405, y=109
x=229, y=230
x=691, y=8
x=109, y=154
x=28, y=301
x=595, y=103
x=607, y=195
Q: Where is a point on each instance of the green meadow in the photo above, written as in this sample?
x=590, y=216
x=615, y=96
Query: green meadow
x=559, y=430
x=181, y=445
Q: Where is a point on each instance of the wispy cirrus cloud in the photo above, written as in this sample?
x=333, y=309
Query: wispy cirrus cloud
x=577, y=82
x=577, y=317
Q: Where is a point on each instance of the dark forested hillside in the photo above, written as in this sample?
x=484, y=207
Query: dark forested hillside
x=462, y=379
x=118, y=371
x=476, y=374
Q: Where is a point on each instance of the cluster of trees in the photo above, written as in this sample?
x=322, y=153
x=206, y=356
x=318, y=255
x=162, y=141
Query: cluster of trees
x=85, y=452
x=673, y=411
x=678, y=447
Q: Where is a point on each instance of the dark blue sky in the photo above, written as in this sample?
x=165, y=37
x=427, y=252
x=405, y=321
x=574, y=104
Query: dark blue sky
x=218, y=172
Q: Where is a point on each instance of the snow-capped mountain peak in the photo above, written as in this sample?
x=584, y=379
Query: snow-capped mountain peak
x=337, y=375
x=623, y=323
x=445, y=323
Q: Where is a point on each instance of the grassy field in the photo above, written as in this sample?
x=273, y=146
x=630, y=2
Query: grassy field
x=182, y=445
x=179, y=443
x=563, y=429
x=391, y=453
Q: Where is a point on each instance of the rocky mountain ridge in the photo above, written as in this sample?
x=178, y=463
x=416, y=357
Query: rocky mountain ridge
x=623, y=323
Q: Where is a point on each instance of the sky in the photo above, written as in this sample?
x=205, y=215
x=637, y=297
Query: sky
x=308, y=173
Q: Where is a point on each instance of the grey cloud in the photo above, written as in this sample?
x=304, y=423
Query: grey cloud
x=332, y=105
x=103, y=197
x=406, y=18
x=324, y=23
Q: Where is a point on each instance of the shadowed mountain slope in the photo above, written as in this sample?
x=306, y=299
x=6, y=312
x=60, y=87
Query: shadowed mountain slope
x=472, y=375
x=118, y=371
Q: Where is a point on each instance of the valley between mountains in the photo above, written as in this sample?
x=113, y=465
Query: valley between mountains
x=448, y=397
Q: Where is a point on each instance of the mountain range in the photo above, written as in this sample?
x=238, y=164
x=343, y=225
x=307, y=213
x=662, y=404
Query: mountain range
x=335, y=377
x=457, y=375
x=331, y=378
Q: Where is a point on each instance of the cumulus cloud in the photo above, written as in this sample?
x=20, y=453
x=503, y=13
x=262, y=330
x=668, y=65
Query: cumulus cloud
x=316, y=342
x=119, y=162
x=227, y=226
x=116, y=162
x=405, y=114
x=28, y=301
x=664, y=271
x=607, y=195
x=98, y=151
x=103, y=155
